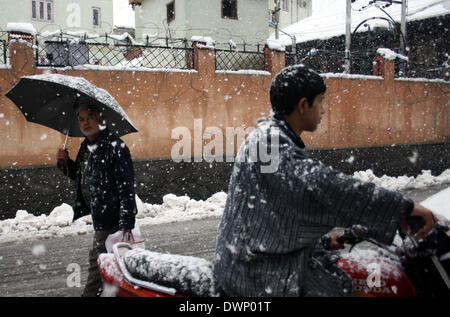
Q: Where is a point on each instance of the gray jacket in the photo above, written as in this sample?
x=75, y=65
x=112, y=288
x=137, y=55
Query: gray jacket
x=274, y=216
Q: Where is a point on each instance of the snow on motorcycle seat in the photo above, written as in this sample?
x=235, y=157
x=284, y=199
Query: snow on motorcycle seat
x=189, y=275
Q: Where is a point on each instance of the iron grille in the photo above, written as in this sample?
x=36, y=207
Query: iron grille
x=234, y=60
x=67, y=52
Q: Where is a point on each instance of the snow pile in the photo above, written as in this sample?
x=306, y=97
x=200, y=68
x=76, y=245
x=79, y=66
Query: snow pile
x=58, y=223
x=180, y=208
x=26, y=226
x=423, y=180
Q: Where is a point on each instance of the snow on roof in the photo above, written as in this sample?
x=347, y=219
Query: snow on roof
x=23, y=27
x=330, y=21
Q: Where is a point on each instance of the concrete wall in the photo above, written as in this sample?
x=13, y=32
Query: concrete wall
x=360, y=112
x=156, y=102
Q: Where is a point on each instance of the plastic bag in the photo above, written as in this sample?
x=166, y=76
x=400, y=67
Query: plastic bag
x=134, y=238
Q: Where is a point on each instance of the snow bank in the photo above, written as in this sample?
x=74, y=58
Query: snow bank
x=180, y=208
x=423, y=180
x=58, y=223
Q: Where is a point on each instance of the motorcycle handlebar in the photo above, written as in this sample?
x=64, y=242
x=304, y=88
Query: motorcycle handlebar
x=353, y=234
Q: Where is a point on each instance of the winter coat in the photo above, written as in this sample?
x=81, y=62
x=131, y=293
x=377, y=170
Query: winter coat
x=112, y=202
x=273, y=217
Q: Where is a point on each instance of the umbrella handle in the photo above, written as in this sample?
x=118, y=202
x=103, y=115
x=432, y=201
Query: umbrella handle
x=66, y=167
x=65, y=142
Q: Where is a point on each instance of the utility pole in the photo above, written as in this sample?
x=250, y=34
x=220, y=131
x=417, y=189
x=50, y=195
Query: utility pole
x=277, y=18
x=348, y=35
x=403, y=26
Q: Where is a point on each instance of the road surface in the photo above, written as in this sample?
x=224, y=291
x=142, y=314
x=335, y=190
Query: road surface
x=47, y=267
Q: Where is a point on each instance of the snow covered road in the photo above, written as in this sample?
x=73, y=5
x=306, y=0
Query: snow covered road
x=48, y=267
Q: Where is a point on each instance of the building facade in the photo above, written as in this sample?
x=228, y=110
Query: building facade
x=95, y=16
x=242, y=21
x=291, y=11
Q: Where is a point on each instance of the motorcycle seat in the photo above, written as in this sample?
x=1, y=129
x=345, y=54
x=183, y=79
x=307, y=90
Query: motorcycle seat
x=187, y=274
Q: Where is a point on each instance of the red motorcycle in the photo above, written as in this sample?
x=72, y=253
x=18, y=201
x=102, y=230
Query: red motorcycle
x=415, y=268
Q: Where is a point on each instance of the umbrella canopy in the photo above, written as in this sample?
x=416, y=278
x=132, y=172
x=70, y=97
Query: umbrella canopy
x=51, y=100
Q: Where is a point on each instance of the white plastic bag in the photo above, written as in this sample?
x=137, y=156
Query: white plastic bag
x=134, y=239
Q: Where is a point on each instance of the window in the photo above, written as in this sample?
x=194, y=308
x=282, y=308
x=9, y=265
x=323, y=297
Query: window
x=170, y=11
x=96, y=17
x=42, y=10
x=229, y=9
x=285, y=5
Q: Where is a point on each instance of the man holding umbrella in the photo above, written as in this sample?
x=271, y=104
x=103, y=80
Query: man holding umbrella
x=103, y=169
x=103, y=172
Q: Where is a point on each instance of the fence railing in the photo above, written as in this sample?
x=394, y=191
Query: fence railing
x=232, y=58
x=362, y=62
x=4, y=52
x=113, y=51
x=237, y=60
x=62, y=50
x=4, y=48
x=59, y=49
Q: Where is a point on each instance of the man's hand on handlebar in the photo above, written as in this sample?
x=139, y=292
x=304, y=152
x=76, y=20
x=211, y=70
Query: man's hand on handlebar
x=424, y=226
x=334, y=244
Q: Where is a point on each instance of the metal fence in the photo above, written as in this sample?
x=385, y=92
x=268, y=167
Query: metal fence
x=362, y=62
x=4, y=58
x=4, y=52
x=62, y=50
x=113, y=51
x=234, y=59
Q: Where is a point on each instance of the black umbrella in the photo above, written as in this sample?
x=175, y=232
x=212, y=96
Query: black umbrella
x=51, y=100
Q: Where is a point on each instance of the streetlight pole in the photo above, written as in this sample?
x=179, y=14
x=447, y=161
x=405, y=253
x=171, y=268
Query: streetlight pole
x=403, y=26
x=277, y=18
x=348, y=25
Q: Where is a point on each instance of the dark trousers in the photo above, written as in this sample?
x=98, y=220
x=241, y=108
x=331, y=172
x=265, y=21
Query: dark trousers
x=94, y=284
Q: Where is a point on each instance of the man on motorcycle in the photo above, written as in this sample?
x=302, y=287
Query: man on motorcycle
x=273, y=217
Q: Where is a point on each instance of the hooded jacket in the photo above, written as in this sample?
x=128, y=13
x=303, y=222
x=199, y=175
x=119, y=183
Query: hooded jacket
x=112, y=202
x=280, y=202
